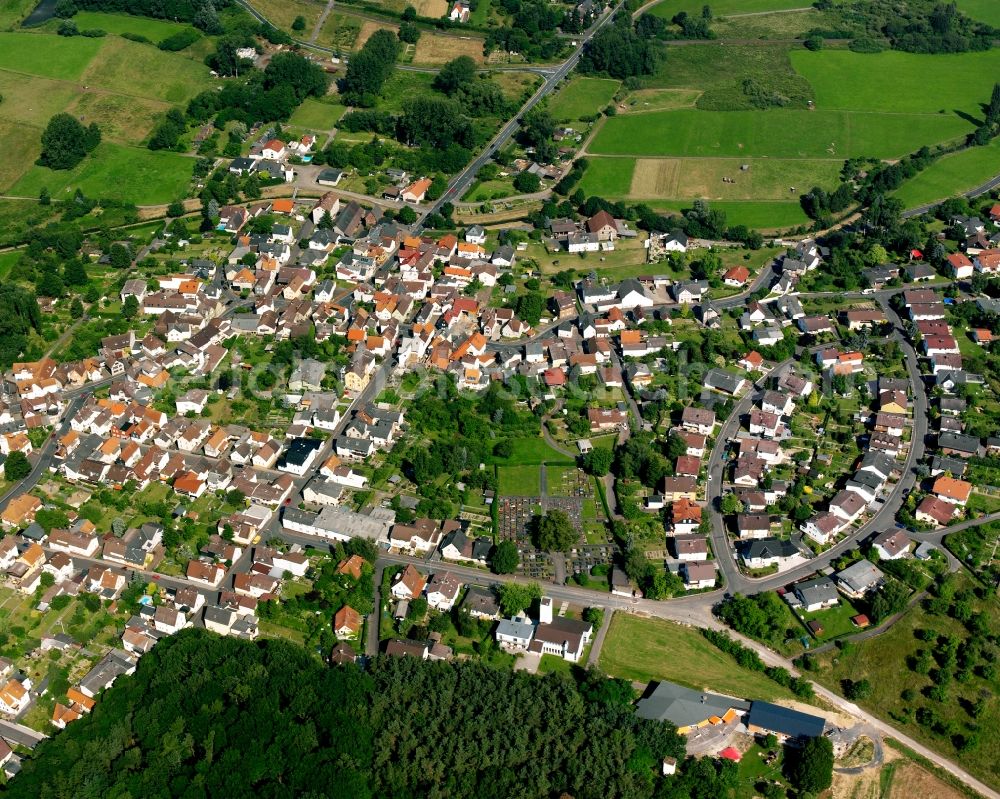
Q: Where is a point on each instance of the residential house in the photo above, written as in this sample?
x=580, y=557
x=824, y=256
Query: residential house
x=816, y=594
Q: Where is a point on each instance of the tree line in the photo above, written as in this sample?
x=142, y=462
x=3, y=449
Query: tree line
x=203, y=14
x=208, y=716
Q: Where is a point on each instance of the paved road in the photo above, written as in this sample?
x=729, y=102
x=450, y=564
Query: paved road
x=319, y=23
x=971, y=193
x=886, y=729
x=461, y=182
x=46, y=456
x=595, y=648
x=883, y=518
x=375, y=617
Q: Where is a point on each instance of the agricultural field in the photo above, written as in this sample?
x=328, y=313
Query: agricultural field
x=118, y=84
x=339, y=31
x=608, y=177
x=433, y=49
x=660, y=178
x=682, y=133
x=952, y=175
x=658, y=100
x=652, y=649
x=49, y=57
x=690, y=127
x=900, y=83
x=718, y=72
x=581, y=97
x=776, y=133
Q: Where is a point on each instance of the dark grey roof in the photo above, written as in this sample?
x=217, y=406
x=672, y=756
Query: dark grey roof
x=959, y=442
x=769, y=548
x=684, y=706
x=723, y=380
x=299, y=451
x=819, y=589
x=786, y=721
x=481, y=600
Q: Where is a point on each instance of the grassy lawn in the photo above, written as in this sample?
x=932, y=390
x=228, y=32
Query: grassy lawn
x=131, y=174
x=952, y=175
x=532, y=451
x=36, y=54
x=984, y=503
x=582, y=97
x=482, y=191
x=317, y=115
x=763, y=215
x=282, y=13
x=899, y=82
x=153, y=29
x=134, y=69
x=776, y=133
x=659, y=100
x=836, y=621
x=7, y=261
x=983, y=10
x=520, y=481
x=886, y=662
x=13, y=11
x=668, y=9
x=553, y=664
x=652, y=649
x=608, y=177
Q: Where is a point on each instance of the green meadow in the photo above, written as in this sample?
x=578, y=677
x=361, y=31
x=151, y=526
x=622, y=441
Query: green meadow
x=153, y=29
x=896, y=82
x=723, y=7
x=582, y=97
x=952, y=175
x=775, y=133
x=123, y=86
x=130, y=174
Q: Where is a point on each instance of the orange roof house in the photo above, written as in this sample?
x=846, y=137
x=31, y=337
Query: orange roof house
x=346, y=622
x=351, y=566
x=283, y=206
x=469, y=250
x=952, y=490
x=416, y=191
x=189, y=483
x=20, y=510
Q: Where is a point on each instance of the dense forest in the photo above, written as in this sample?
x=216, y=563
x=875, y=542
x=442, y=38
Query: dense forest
x=917, y=26
x=216, y=717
